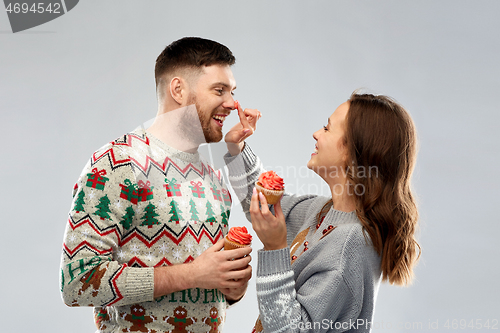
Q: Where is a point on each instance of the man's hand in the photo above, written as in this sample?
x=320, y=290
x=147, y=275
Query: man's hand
x=235, y=138
x=234, y=294
x=228, y=271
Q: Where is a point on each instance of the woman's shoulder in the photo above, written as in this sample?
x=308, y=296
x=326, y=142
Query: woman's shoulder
x=301, y=205
x=357, y=254
x=310, y=202
x=355, y=236
x=345, y=232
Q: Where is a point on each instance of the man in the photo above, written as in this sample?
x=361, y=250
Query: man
x=147, y=222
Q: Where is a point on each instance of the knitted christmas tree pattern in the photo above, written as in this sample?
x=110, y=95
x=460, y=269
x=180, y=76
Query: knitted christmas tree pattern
x=118, y=155
x=194, y=212
x=210, y=214
x=79, y=202
x=149, y=216
x=103, y=208
x=128, y=218
x=175, y=211
x=224, y=215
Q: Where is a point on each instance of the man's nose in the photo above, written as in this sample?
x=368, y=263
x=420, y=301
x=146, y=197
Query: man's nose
x=229, y=103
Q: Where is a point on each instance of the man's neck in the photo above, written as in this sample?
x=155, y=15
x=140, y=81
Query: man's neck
x=180, y=129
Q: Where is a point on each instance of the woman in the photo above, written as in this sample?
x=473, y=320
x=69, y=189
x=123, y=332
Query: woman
x=324, y=258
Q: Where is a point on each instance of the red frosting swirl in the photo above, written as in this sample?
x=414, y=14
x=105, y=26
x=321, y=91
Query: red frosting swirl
x=271, y=181
x=239, y=235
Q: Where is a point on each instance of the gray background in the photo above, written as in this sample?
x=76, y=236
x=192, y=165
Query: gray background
x=75, y=83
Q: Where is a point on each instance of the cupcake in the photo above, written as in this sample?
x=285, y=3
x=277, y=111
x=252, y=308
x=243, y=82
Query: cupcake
x=271, y=186
x=237, y=237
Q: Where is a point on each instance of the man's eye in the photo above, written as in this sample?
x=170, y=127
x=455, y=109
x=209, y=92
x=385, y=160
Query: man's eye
x=324, y=127
x=220, y=91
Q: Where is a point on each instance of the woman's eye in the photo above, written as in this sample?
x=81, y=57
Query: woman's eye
x=324, y=127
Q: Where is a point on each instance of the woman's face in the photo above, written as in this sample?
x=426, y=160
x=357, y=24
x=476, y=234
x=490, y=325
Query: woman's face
x=329, y=157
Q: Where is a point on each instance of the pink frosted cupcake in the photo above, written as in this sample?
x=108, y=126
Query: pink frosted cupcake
x=237, y=237
x=271, y=186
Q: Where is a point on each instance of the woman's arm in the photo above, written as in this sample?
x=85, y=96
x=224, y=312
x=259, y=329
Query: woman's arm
x=244, y=170
x=244, y=166
x=323, y=300
x=326, y=284
x=330, y=288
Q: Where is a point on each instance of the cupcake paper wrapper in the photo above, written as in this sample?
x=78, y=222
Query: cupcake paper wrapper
x=230, y=245
x=272, y=196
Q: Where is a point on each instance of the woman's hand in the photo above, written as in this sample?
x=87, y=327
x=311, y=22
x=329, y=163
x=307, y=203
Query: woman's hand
x=271, y=229
x=235, y=138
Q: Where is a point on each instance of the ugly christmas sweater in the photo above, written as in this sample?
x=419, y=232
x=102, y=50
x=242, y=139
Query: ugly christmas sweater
x=326, y=280
x=139, y=204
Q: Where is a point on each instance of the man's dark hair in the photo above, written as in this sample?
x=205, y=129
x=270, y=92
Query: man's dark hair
x=191, y=52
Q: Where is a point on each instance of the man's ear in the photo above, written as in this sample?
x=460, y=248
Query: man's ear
x=177, y=89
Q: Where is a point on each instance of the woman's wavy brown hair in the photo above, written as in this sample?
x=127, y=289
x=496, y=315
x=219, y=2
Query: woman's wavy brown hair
x=381, y=145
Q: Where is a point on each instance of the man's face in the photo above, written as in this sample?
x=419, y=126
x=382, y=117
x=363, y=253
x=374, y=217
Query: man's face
x=213, y=97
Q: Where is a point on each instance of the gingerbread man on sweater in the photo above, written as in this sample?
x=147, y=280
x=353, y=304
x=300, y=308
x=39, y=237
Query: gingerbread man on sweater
x=180, y=320
x=139, y=320
x=214, y=321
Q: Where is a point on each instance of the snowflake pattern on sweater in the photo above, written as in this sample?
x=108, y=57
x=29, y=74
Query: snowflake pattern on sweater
x=139, y=204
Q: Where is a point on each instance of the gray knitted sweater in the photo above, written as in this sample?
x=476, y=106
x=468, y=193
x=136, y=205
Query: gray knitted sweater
x=327, y=279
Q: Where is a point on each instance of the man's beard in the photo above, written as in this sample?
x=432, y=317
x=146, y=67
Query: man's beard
x=205, y=118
